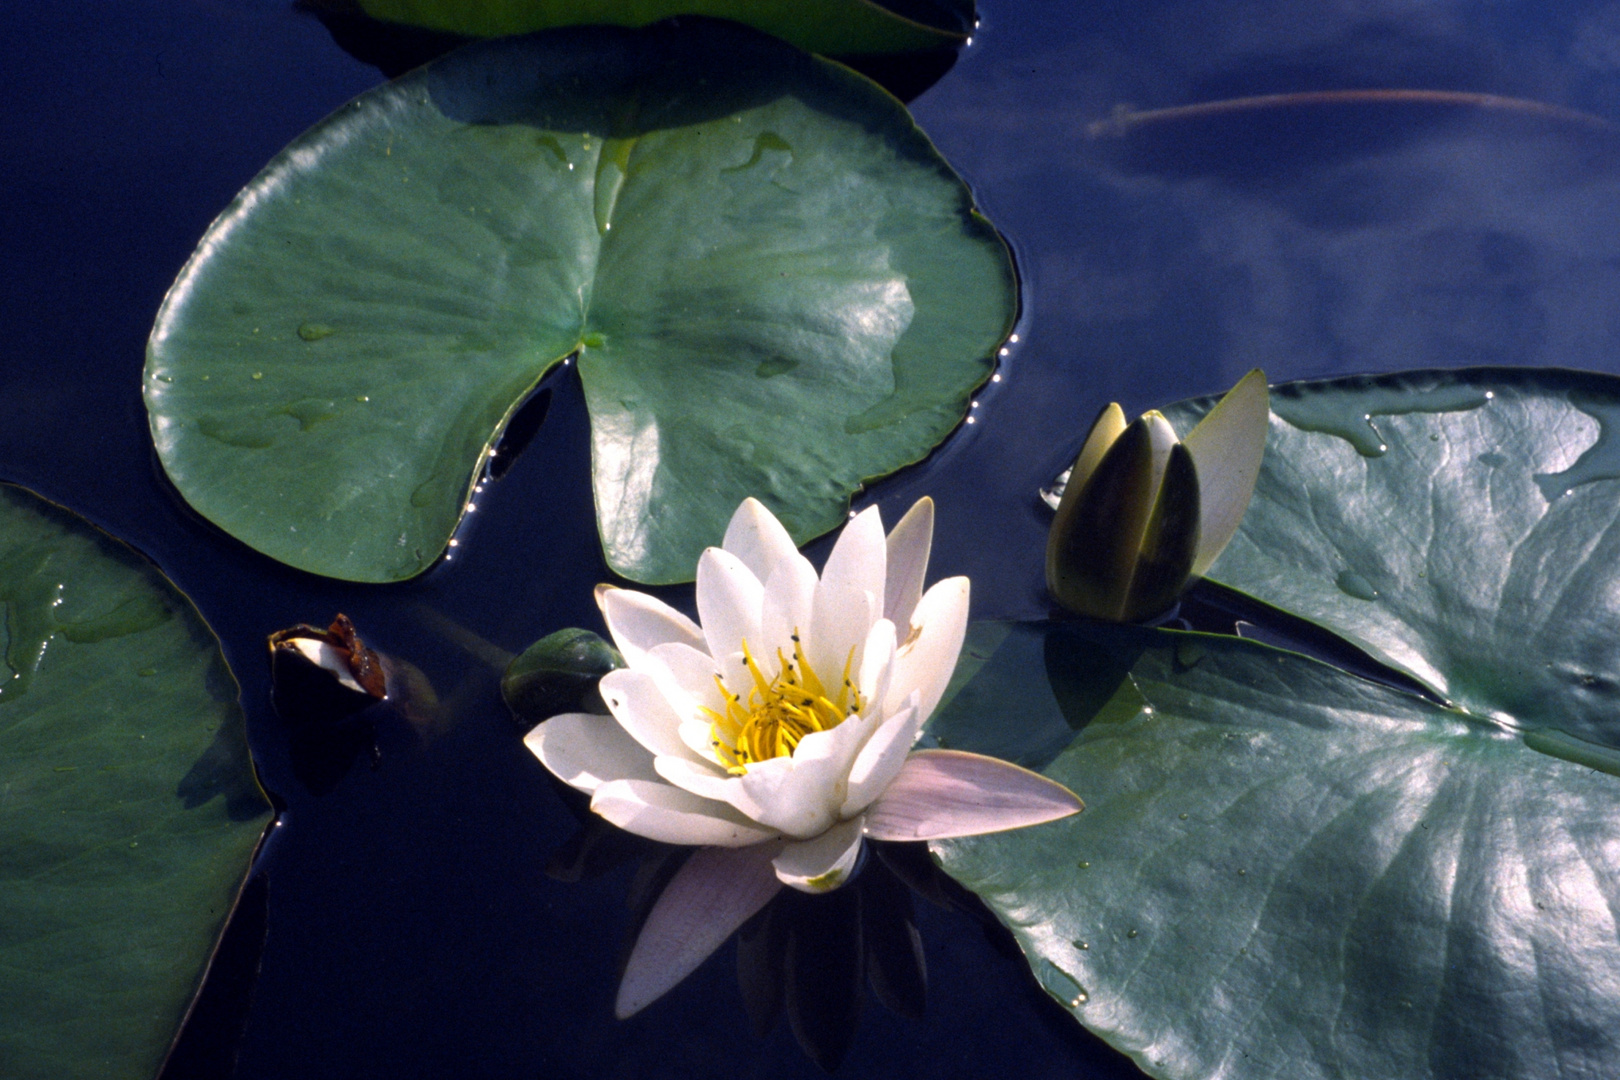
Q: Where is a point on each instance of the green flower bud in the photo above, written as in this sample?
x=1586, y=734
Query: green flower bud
x=1144, y=514
x=558, y=674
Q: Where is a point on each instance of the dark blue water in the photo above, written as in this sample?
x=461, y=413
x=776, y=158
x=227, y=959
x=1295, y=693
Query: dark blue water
x=410, y=928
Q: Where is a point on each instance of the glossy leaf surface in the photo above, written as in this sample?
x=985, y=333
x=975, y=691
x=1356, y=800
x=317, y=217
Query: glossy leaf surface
x=1463, y=527
x=773, y=284
x=128, y=806
x=840, y=27
x=1285, y=870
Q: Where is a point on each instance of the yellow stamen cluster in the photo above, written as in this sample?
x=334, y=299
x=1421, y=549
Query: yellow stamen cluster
x=777, y=713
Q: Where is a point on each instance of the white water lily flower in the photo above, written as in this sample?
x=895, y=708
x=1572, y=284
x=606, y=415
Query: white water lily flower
x=778, y=733
x=1143, y=514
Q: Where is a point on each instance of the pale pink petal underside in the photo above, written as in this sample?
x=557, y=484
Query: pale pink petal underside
x=715, y=892
x=944, y=793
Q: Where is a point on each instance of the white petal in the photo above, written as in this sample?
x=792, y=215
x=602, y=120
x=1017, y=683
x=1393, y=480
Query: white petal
x=1161, y=437
x=638, y=703
x=908, y=545
x=729, y=598
x=709, y=781
x=824, y=863
x=711, y=895
x=1227, y=447
x=942, y=793
x=734, y=671
x=880, y=760
x=586, y=751
x=686, y=675
x=789, y=599
x=758, y=539
x=698, y=736
x=800, y=795
x=325, y=656
x=925, y=661
x=839, y=625
x=877, y=664
x=638, y=622
x=661, y=812
x=858, y=558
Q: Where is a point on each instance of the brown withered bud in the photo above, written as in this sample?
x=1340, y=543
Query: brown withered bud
x=323, y=674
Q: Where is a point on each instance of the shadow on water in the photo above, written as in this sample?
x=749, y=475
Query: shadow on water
x=207, y=1043
x=391, y=48
x=225, y=768
x=394, y=48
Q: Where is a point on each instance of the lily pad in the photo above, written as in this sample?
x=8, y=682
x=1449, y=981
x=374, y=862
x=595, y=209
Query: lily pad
x=773, y=283
x=128, y=805
x=1285, y=870
x=835, y=27
x=1461, y=526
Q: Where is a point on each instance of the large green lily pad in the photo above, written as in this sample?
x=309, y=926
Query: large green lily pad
x=1461, y=526
x=1285, y=870
x=128, y=806
x=773, y=283
x=836, y=27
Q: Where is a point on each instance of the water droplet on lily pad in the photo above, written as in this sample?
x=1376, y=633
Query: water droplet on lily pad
x=1063, y=986
x=1353, y=584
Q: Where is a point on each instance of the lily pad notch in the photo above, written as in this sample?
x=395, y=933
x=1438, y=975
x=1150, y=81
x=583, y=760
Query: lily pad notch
x=774, y=285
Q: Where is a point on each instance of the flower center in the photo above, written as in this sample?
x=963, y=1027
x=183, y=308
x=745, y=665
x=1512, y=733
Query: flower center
x=777, y=713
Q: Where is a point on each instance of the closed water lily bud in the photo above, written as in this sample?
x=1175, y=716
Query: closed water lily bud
x=1144, y=514
x=558, y=674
